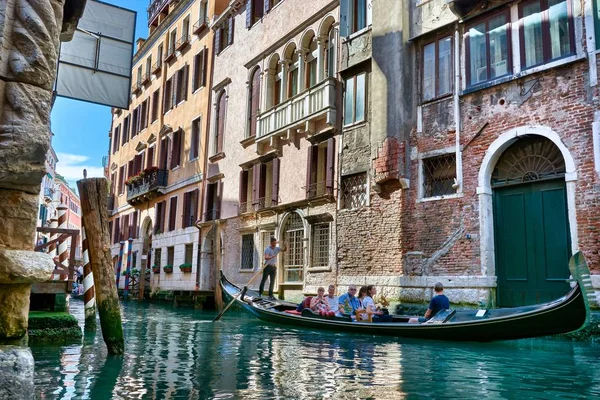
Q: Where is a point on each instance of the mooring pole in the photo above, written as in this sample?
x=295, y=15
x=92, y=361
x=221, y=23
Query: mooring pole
x=217, y=252
x=128, y=270
x=93, y=194
x=120, y=263
x=89, y=299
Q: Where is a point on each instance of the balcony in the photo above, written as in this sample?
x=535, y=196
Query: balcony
x=211, y=215
x=295, y=112
x=149, y=184
x=48, y=194
x=156, y=8
x=146, y=78
x=183, y=42
x=318, y=189
x=157, y=67
x=170, y=55
x=245, y=208
x=136, y=88
x=199, y=26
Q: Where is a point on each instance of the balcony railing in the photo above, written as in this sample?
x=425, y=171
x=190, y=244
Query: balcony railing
x=152, y=183
x=145, y=78
x=211, y=215
x=170, y=54
x=137, y=87
x=157, y=7
x=49, y=193
x=157, y=67
x=182, y=42
x=318, y=189
x=201, y=25
x=245, y=208
x=310, y=104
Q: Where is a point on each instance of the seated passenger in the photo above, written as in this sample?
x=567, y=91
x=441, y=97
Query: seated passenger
x=369, y=306
x=348, y=302
x=438, y=302
x=319, y=304
x=362, y=292
x=332, y=299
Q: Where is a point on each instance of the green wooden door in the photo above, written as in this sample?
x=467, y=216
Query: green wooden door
x=531, y=231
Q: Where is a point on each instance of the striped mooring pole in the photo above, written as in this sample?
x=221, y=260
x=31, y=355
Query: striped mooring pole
x=63, y=254
x=119, y=263
x=89, y=297
x=128, y=270
x=52, y=247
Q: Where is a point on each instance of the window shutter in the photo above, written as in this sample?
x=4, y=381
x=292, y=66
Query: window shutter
x=369, y=12
x=204, y=65
x=186, y=74
x=133, y=226
x=156, y=218
x=344, y=17
x=174, y=89
x=208, y=199
x=166, y=95
x=176, y=151
x=219, y=199
x=267, y=6
x=243, y=195
x=194, y=211
x=255, y=101
x=255, y=183
x=196, y=71
x=312, y=150
x=172, y=213
x=186, y=208
x=329, y=174
x=275, y=187
x=125, y=227
x=230, y=33
x=263, y=182
x=117, y=231
x=150, y=158
x=249, y=13
x=221, y=125
x=218, y=41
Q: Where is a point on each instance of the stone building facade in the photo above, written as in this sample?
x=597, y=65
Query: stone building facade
x=158, y=146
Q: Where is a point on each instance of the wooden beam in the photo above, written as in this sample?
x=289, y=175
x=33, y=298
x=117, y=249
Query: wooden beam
x=59, y=230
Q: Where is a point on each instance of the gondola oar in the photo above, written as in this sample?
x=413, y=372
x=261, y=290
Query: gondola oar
x=218, y=317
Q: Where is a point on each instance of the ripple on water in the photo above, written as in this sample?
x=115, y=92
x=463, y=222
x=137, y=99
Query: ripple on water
x=181, y=354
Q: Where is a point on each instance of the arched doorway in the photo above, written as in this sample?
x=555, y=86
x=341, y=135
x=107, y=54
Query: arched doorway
x=531, y=222
x=292, y=233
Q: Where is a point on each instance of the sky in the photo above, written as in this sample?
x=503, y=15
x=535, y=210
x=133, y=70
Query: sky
x=81, y=129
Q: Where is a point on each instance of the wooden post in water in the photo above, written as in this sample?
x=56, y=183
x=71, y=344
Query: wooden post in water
x=128, y=270
x=93, y=194
x=217, y=258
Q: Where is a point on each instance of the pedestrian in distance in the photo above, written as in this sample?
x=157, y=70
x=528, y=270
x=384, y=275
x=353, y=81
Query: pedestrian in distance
x=270, y=269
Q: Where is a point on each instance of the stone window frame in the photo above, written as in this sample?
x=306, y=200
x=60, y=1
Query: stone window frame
x=314, y=246
x=252, y=256
x=421, y=175
x=443, y=35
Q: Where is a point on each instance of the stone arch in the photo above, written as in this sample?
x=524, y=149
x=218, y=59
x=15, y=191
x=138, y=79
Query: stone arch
x=326, y=24
x=484, y=189
x=307, y=37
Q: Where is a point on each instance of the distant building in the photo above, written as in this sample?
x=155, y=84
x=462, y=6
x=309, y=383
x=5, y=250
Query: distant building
x=66, y=196
x=47, y=203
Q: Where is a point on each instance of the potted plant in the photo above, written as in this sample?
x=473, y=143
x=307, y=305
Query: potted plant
x=186, y=267
x=168, y=269
x=156, y=269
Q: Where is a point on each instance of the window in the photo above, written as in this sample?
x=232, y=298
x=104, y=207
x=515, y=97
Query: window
x=157, y=257
x=168, y=96
x=185, y=32
x=144, y=115
x=354, y=107
x=176, y=150
x=312, y=64
x=172, y=213
x=125, y=227
x=354, y=191
x=277, y=93
x=293, y=76
x=293, y=231
x=115, y=139
x=437, y=68
x=254, y=11
x=254, y=101
x=135, y=122
x=150, y=158
x=195, y=142
x=212, y=201
x=159, y=55
x=320, y=245
x=320, y=169
x=159, y=217
x=155, y=100
x=354, y=16
x=139, y=75
x=133, y=227
x=189, y=253
x=190, y=208
x=224, y=35
x=488, y=49
x=117, y=230
x=172, y=43
x=262, y=183
x=220, y=122
x=200, y=63
x=438, y=175
x=126, y=123
x=121, y=179
x=170, y=255
x=331, y=53
x=182, y=84
x=164, y=153
x=148, y=66
x=265, y=241
x=247, y=251
x=546, y=31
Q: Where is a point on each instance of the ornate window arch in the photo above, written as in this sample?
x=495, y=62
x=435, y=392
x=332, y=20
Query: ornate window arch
x=292, y=234
x=220, y=120
x=254, y=101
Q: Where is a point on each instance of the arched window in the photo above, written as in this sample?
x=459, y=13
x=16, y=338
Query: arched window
x=293, y=75
x=331, y=60
x=254, y=101
x=293, y=235
x=277, y=84
x=220, y=121
x=312, y=64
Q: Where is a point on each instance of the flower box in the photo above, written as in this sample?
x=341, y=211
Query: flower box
x=156, y=269
x=186, y=268
x=168, y=269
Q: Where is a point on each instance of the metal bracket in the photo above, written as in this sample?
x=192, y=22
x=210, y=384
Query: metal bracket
x=535, y=81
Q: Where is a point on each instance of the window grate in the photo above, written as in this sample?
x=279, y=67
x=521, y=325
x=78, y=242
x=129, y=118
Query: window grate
x=247, y=251
x=294, y=256
x=157, y=257
x=321, y=245
x=354, y=191
x=438, y=175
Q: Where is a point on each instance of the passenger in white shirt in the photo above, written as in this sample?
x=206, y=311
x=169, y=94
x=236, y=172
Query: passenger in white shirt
x=332, y=299
x=369, y=305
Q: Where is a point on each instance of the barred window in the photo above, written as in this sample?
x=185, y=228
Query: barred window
x=247, y=251
x=438, y=175
x=170, y=255
x=354, y=191
x=157, y=257
x=189, y=253
x=320, y=245
x=294, y=256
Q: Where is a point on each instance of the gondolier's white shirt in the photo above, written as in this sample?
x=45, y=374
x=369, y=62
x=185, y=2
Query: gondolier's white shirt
x=269, y=251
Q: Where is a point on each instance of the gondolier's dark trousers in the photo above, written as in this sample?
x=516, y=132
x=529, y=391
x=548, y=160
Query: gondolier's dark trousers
x=268, y=272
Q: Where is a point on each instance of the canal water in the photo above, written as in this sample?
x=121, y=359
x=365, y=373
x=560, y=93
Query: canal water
x=181, y=354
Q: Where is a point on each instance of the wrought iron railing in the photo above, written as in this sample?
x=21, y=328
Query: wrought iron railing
x=157, y=66
x=200, y=25
x=318, y=189
x=152, y=181
x=170, y=54
x=182, y=42
x=211, y=215
x=145, y=78
x=136, y=87
x=245, y=207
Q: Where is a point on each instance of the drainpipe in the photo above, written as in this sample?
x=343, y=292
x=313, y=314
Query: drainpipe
x=458, y=182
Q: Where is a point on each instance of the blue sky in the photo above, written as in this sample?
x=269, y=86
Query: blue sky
x=81, y=129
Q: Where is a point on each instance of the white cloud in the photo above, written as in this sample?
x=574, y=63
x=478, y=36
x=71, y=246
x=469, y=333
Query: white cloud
x=71, y=166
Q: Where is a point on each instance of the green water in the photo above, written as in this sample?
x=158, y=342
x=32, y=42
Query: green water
x=181, y=354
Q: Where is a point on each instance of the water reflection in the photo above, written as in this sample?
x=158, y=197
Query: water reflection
x=181, y=354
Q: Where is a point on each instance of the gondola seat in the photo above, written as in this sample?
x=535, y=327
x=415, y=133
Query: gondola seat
x=441, y=317
x=293, y=312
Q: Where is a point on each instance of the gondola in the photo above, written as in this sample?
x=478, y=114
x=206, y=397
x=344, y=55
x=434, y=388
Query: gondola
x=566, y=314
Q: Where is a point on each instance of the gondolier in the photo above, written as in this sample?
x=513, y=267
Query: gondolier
x=270, y=270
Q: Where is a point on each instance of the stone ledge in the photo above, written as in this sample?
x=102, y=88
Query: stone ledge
x=22, y=266
x=449, y=281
